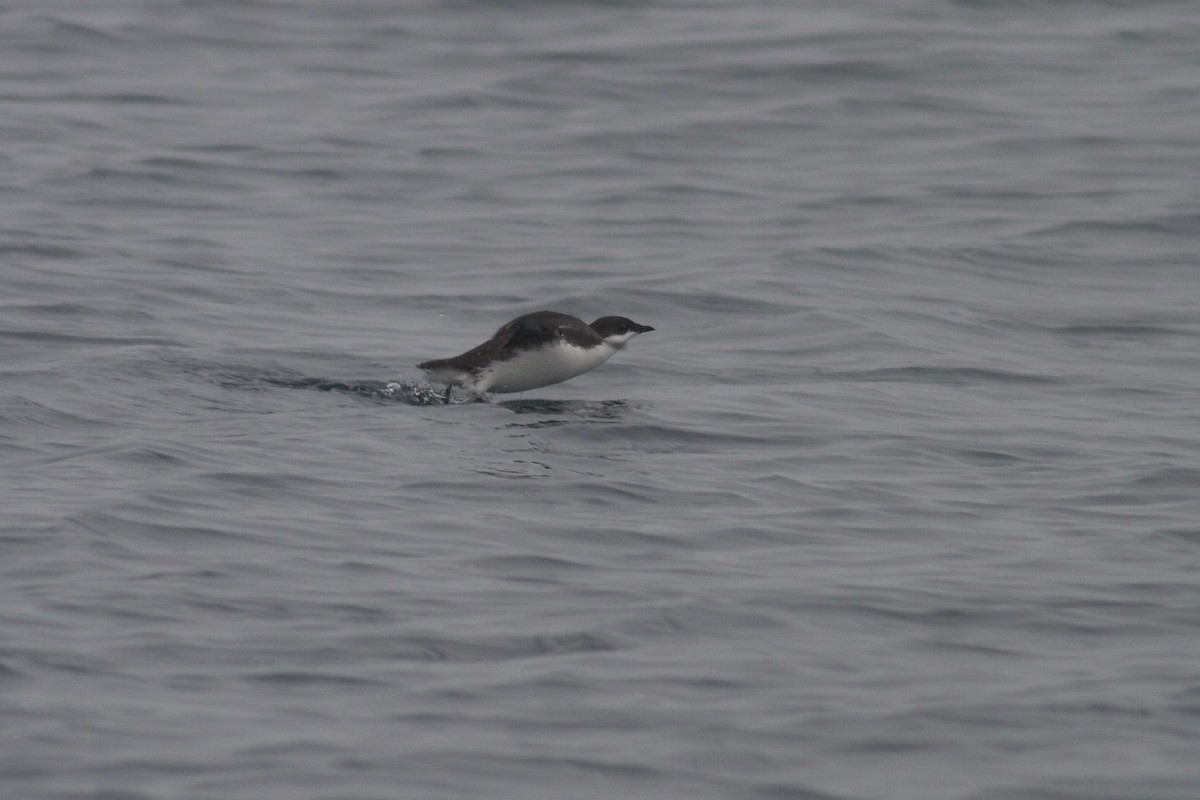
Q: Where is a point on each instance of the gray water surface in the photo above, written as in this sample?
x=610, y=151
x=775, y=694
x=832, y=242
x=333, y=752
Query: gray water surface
x=899, y=501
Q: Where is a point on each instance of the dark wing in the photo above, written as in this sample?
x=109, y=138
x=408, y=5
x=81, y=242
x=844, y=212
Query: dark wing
x=545, y=327
x=530, y=330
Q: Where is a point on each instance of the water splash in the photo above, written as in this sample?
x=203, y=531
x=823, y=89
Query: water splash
x=414, y=394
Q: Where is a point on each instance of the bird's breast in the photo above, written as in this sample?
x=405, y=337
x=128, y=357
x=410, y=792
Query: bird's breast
x=542, y=366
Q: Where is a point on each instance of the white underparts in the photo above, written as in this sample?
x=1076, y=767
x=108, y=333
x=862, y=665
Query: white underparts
x=542, y=366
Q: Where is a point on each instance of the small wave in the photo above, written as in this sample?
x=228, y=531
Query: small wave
x=1168, y=225
x=602, y=410
x=486, y=649
x=946, y=375
x=1122, y=330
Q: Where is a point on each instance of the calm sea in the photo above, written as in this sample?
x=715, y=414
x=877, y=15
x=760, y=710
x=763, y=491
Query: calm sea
x=900, y=501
